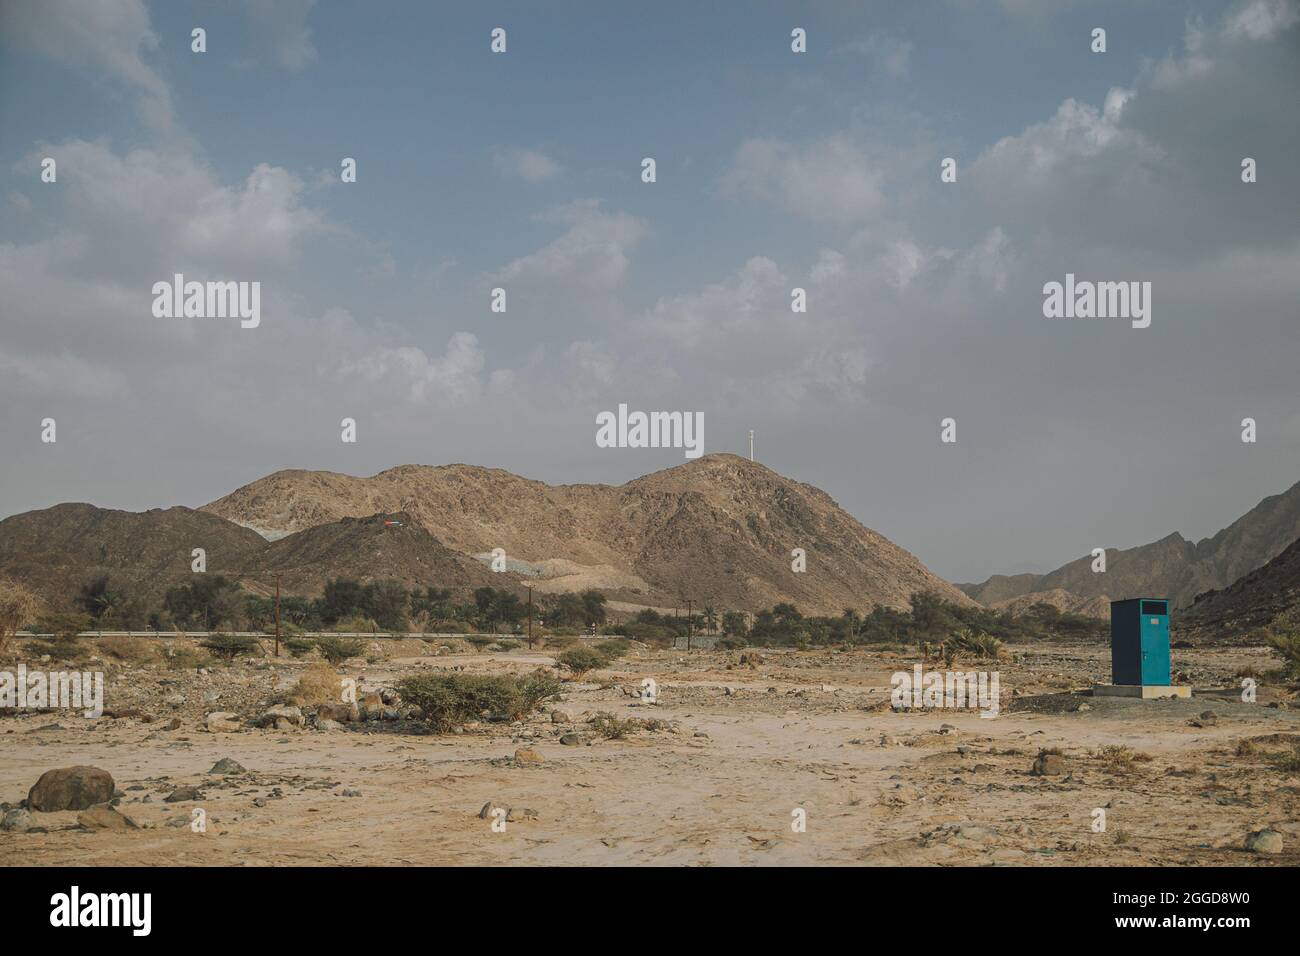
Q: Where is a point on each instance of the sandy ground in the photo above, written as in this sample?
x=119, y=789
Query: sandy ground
x=808, y=731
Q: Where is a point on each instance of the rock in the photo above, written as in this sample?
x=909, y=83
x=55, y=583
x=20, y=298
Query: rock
x=571, y=740
x=16, y=820
x=1047, y=765
x=526, y=755
x=173, y=724
x=560, y=717
x=486, y=812
x=226, y=765
x=342, y=713
x=328, y=725
x=71, y=788
x=104, y=817
x=729, y=691
x=1264, y=841
x=282, y=713
x=222, y=722
x=181, y=794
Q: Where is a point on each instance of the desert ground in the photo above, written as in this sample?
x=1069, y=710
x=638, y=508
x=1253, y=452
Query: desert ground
x=715, y=775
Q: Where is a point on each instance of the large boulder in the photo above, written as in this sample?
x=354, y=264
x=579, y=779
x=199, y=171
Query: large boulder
x=71, y=788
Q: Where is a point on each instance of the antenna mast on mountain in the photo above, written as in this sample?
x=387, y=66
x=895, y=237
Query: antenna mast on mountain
x=751, y=444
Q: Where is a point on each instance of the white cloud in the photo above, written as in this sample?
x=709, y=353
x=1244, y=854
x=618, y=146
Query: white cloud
x=888, y=54
x=111, y=36
x=1262, y=19
x=830, y=180
x=592, y=253
x=280, y=33
x=453, y=378
x=530, y=165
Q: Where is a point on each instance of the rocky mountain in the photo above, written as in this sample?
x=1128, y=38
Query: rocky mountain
x=1253, y=601
x=378, y=547
x=57, y=550
x=717, y=530
x=1172, y=567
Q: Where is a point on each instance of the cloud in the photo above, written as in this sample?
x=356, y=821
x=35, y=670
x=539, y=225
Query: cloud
x=166, y=209
x=592, y=253
x=453, y=378
x=830, y=180
x=887, y=53
x=530, y=165
x=280, y=33
x=111, y=36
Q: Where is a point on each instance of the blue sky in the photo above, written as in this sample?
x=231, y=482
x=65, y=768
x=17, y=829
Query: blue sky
x=775, y=170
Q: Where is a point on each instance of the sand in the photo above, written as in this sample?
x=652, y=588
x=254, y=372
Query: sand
x=804, y=731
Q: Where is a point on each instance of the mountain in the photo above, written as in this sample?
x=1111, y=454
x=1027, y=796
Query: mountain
x=1059, y=598
x=718, y=530
x=379, y=547
x=1251, y=602
x=57, y=550
x=1172, y=567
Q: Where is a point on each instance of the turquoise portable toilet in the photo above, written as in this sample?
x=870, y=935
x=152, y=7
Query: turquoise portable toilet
x=1139, y=642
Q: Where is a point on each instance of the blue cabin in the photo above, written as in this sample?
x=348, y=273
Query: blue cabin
x=1139, y=642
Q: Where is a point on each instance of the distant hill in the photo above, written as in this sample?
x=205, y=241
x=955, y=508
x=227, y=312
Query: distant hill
x=57, y=550
x=718, y=530
x=1251, y=602
x=1172, y=567
x=379, y=547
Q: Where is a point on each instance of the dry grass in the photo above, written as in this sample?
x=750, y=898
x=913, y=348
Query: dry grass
x=131, y=650
x=1119, y=759
x=318, y=684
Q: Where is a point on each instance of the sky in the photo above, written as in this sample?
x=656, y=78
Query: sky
x=522, y=170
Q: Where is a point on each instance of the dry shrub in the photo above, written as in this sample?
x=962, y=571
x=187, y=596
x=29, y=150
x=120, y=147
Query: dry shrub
x=130, y=650
x=318, y=684
x=1120, y=759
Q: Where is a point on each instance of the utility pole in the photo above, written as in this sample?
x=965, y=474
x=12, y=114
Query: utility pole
x=277, y=615
x=690, y=625
x=751, y=444
x=530, y=617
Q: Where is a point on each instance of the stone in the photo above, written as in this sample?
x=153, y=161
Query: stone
x=560, y=717
x=342, y=713
x=222, y=722
x=526, y=755
x=71, y=788
x=16, y=820
x=104, y=817
x=282, y=713
x=181, y=794
x=571, y=740
x=1264, y=841
x=226, y=765
x=328, y=725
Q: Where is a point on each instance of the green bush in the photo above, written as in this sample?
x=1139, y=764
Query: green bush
x=579, y=660
x=480, y=641
x=611, y=728
x=613, y=649
x=230, y=646
x=450, y=700
x=336, y=650
x=298, y=647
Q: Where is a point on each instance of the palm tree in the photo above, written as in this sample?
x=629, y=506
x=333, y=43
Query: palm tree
x=710, y=618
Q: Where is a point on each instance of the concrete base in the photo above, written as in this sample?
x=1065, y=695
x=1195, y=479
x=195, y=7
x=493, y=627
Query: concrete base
x=1143, y=691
